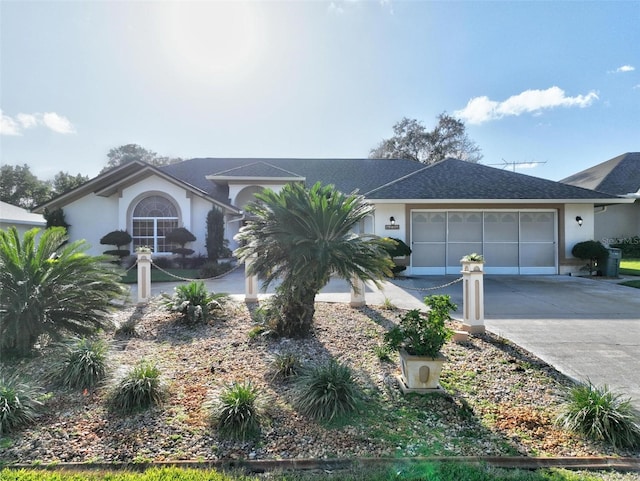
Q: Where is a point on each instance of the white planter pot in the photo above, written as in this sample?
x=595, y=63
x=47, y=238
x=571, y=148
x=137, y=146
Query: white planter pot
x=472, y=266
x=420, y=373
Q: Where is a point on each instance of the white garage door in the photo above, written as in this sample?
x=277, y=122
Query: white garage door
x=512, y=242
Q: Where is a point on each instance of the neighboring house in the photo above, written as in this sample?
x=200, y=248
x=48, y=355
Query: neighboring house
x=618, y=176
x=522, y=224
x=21, y=219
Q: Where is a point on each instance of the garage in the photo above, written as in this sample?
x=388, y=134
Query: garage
x=512, y=241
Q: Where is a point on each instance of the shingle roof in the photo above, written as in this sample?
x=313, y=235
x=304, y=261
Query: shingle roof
x=456, y=179
x=259, y=169
x=346, y=175
x=619, y=176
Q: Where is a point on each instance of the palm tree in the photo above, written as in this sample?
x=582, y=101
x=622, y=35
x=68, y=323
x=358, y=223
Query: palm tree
x=302, y=237
x=51, y=287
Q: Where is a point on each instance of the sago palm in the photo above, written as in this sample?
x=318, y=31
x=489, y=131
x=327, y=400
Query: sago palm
x=49, y=287
x=303, y=236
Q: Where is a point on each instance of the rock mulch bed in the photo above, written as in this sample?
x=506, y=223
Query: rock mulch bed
x=499, y=400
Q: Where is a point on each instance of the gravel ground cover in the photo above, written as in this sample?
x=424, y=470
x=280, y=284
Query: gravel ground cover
x=499, y=400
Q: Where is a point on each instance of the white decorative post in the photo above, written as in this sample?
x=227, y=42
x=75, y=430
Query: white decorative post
x=473, y=296
x=144, y=275
x=357, y=294
x=250, y=282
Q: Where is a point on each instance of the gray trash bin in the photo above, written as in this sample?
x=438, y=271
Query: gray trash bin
x=611, y=265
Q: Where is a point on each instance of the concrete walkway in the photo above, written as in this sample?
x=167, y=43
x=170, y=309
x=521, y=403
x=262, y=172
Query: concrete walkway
x=585, y=328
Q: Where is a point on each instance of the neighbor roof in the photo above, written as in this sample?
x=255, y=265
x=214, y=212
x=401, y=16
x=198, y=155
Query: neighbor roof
x=456, y=179
x=11, y=214
x=619, y=176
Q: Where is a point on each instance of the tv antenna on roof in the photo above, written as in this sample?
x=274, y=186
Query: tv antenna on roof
x=518, y=165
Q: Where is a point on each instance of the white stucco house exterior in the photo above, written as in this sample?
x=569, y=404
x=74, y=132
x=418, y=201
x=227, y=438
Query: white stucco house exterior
x=521, y=224
x=21, y=219
x=618, y=176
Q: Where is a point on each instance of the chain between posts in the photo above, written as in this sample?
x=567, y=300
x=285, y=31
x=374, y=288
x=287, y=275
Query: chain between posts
x=236, y=267
x=428, y=288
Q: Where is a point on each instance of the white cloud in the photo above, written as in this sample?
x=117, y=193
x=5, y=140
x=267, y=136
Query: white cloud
x=483, y=109
x=51, y=120
x=8, y=126
x=625, y=68
x=57, y=123
x=335, y=8
x=27, y=121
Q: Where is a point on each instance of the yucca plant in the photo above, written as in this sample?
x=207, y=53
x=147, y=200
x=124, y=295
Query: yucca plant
x=601, y=414
x=285, y=366
x=51, y=287
x=194, y=302
x=327, y=391
x=141, y=388
x=238, y=413
x=18, y=403
x=82, y=364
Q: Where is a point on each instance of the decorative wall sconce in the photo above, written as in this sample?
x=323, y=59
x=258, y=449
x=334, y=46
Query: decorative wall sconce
x=392, y=224
x=579, y=220
x=392, y=220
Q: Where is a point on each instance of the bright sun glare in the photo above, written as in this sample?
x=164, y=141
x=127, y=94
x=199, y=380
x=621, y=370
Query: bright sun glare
x=216, y=41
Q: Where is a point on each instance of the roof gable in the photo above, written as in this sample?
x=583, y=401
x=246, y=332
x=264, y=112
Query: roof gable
x=256, y=170
x=618, y=176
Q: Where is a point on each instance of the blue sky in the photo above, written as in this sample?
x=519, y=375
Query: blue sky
x=554, y=82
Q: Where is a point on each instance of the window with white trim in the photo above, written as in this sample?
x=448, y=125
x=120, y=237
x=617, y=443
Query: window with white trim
x=152, y=219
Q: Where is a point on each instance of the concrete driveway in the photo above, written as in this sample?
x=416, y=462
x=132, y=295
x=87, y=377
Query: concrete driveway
x=585, y=328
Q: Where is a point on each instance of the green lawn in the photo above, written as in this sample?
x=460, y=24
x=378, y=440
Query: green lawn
x=414, y=472
x=630, y=267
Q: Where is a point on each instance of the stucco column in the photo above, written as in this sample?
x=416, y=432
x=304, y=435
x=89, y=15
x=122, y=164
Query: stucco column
x=250, y=282
x=144, y=277
x=357, y=294
x=473, y=297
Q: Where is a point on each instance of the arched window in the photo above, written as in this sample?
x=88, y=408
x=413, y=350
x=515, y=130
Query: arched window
x=152, y=218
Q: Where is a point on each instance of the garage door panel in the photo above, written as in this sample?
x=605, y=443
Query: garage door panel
x=537, y=255
x=512, y=242
x=501, y=254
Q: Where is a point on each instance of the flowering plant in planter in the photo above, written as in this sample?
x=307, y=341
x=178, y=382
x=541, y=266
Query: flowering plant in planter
x=423, y=334
x=473, y=257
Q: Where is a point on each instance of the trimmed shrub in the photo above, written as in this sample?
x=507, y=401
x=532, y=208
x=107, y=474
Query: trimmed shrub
x=18, y=403
x=238, y=414
x=592, y=251
x=140, y=389
x=194, y=302
x=214, y=240
x=601, y=414
x=83, y=363
x=327, y=391
x=397, y=248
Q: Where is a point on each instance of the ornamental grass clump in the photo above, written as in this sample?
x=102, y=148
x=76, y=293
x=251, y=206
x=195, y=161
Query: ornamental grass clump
x=238, y=414
x=600, y=414
x=140, y=389
x=18, y=403
x=82, y=364
x=194, y=302
x=327, y=391
x=423, y=334
x=285, y=366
